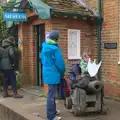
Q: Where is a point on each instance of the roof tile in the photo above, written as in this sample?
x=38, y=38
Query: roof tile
x=69, y=6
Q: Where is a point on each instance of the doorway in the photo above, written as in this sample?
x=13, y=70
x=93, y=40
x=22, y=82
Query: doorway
x=40, y=37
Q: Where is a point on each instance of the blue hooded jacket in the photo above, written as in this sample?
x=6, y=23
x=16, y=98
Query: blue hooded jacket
x=53, y=66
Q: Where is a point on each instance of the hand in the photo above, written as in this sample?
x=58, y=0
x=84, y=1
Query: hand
x=78, y=77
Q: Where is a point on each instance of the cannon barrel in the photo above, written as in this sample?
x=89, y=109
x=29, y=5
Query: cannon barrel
x=95, y=86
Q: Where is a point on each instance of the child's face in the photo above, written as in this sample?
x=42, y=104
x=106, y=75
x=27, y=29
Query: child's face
x=86, y=58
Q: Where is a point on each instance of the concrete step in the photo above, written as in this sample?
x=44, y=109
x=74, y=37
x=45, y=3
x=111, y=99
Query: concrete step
x=33, y=107
x=20, y=109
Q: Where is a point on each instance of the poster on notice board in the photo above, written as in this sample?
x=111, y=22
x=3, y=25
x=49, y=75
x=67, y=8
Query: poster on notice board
x=47, y=35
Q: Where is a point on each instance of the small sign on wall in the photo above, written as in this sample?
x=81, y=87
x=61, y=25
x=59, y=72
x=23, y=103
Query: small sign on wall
x=110, y=45
x=47, y=35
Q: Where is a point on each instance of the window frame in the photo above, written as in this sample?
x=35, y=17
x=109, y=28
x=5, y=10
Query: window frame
x=70, y=57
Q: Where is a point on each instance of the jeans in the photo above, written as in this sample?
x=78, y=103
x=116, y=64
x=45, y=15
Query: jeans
x=9, y=75
x=51, y=105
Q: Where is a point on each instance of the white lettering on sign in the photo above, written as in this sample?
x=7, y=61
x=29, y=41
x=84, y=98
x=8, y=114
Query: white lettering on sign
x=14, y=16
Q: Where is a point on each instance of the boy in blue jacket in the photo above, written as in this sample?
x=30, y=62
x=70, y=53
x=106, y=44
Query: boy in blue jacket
x=53, y=68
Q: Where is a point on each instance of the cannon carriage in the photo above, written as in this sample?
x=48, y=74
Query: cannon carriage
x=86, y=94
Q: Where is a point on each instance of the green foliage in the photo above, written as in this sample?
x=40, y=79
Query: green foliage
x=18, y=79
x=3, y=24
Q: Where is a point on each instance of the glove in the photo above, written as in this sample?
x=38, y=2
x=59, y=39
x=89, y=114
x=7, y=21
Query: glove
x=78, y=77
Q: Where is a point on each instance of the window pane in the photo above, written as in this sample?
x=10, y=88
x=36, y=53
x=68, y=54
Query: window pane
x=73, y=44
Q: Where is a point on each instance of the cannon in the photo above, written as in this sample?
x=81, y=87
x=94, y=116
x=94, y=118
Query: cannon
x=95, y=86
x=86, y=94
x=89, y=100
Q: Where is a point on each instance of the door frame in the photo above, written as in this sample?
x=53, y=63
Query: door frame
x=38, y=28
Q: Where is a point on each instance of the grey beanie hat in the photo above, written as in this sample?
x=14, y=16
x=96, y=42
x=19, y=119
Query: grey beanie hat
x=54, y=35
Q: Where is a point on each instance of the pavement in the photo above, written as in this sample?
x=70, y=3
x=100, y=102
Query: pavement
x=33, y=106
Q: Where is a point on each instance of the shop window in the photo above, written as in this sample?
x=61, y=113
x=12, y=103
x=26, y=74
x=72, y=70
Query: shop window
x=73, y=44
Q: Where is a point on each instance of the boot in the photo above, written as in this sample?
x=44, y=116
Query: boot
x=16, y=95
x=5, y=93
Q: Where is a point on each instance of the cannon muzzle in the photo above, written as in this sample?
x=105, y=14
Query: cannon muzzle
x=95, y=86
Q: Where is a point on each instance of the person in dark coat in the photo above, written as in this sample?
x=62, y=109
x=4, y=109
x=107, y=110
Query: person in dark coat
x=8, y=65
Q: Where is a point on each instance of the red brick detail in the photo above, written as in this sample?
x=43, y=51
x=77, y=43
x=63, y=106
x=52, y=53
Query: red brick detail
x=110, y=33
x=3, y=1
x=111, y=90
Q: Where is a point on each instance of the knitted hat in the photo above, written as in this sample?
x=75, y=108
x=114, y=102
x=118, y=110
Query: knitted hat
x=54, y=35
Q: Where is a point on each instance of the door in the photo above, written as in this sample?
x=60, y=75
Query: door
x=40, y=37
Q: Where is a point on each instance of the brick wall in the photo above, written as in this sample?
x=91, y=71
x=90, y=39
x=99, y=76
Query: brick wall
x=27, y=34
x=110, y=33
x=24, y=36
x=110, y=70
x=87, y=38
x=3, y=1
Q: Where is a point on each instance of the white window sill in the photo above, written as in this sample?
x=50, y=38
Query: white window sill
x=74, y=58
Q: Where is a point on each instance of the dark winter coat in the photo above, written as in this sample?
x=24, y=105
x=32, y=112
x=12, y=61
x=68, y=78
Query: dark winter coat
x=9, y=56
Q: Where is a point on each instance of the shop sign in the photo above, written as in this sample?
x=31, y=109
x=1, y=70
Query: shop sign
x=15, y=16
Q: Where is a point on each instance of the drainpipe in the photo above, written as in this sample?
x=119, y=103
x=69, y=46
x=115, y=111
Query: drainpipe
x=99, y=34
x=100, y=20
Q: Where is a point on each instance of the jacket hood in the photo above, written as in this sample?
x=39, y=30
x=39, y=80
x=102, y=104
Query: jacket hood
x=49, y=48
x=7, y=43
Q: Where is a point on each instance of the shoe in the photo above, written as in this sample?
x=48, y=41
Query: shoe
x=57, y=112
x=57, y=118
x=16, y=95
x=5, y=94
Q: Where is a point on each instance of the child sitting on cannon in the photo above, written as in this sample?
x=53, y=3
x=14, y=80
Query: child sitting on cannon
x=83, y=79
